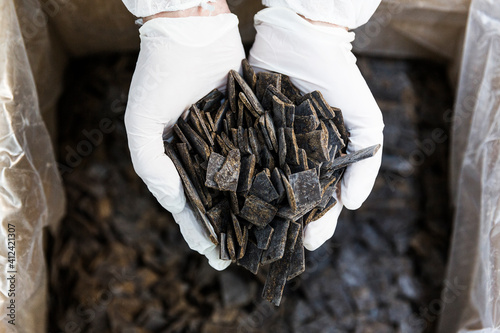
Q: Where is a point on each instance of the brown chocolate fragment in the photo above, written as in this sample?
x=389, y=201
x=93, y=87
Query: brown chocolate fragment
x=246, y=173
x=263, y=236
x=224, y=254
x=292, y=149
x=278, y=185
x=195, y=140
x=201, y=121
x=357, y=156
x=215, y=163
x=271, y=131
x=189, y=188
x=297, y=260
x=281, y=146
x=219, y=216
x=250, y=95
x=227, y=177
x=263, y=188
x=181, y=136
x=243, y=245
x=305, y=186
x=233, y=200
x=257, y=211
x=249, y=74
x=292, y=202
x=315, y=143
x=288, y=89
x=251, y=259
x=220, y=116
x=264, y=79
x=276, y=247
x=278, y=272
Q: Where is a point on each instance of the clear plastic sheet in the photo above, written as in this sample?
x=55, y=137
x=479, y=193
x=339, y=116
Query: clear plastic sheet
x=32, y=58
x=471, y=297
x=31, y=194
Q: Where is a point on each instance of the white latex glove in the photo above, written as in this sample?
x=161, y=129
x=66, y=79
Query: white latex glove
x=180, y=61
x=318, y=57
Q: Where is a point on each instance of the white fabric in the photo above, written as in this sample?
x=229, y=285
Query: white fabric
x=143, y=8
x=180, y=61
x=346, y=13
x=319, y=58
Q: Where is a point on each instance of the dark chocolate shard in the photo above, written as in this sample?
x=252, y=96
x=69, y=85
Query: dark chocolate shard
x=249, y=74
x=211, y=101
x=232, y=94
x=288, y=89
x=237, y=229
x=207, y=226
x=290, y=115
x=266, y=159
x=231, y=245
x=292, y=202
x=227, y=177
x=248, y=106
x=325, y=197
x=220, y=116
x=325, y=109
x=292, y=149
x=271, y=131
x=189, y=166
x=339, y=123
x=215, y=163
x=233, y=200
x=306, y=119
x=243, y=143
x=305, y=186
x=228, y=142
x=251, y=259
x=257, y=211
x=230, y=119
x=263, y=188
x=263, y=236
x=264, y=132
x=198, y=115
x=278, y=272
x=181, y=136
x=287, y=213
x=281, y=146
x=195, y=140
x=303, y=160
x=254, y=143
x=272, y=91
x=315, y=143
x=241, y=112
x=254, y=101
x=219, y=216
x=297, y=260
x=334, y=137
x=210, y=122
x=357, y=156
x=279, y=115
x=278, y=185
x=234, y=136
x=276, y=247
x=331, y=203
x=224, y=254
x=264, y=79
x=189, y=188
x=243, y=245
x=195, y=124
x=247, y=171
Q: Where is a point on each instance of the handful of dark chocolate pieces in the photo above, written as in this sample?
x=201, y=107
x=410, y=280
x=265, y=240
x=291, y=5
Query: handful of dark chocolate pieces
x=258, y=165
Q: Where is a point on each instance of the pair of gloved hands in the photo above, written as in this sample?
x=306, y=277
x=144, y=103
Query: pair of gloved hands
x=182, y=59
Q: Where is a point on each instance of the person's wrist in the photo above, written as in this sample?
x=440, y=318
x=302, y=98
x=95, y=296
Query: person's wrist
x=216, y=8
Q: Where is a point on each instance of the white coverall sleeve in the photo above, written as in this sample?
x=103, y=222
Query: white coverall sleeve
x=346, y=13
x=143, y=8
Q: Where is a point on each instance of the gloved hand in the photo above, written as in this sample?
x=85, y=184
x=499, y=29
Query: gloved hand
x=318, y=57
x=180, y=61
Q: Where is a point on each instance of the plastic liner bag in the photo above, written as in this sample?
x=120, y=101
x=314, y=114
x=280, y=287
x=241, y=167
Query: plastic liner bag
x=31, y=194
x=470, y=299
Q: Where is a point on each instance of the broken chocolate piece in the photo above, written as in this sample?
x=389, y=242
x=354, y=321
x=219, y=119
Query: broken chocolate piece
x=251, y=259
x=263, y=236
x=263, y=188
x=276, y=247
x=257, y=211
x=227, y=177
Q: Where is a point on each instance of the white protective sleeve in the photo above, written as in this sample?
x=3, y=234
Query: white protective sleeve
x=347, y=13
